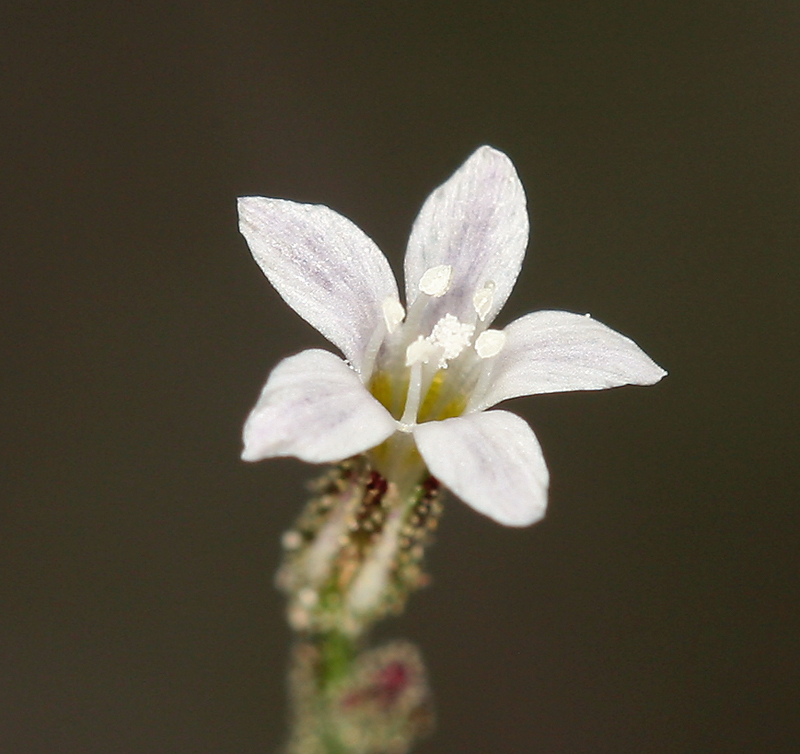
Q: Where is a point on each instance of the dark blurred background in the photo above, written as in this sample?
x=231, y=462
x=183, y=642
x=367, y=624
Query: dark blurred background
x=656, y=607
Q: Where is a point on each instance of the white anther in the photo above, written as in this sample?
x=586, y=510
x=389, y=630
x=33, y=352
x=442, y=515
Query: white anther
x=421, y=351
x=393, y=313
x=482, y=300
x=436, y=281
x=489, y=343
x=453, y=336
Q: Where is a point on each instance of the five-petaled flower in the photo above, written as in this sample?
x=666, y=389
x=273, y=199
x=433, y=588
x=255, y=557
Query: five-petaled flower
x=418, y=379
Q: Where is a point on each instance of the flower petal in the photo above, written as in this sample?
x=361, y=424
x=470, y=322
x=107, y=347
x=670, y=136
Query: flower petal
x=314, y=407
x=492, y=461
x=325, y=267
x=477, y=223
x=551, y=352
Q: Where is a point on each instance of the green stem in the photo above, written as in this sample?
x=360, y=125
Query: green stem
x=337, y=652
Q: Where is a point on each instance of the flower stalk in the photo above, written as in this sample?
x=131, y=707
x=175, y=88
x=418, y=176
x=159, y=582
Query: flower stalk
x=354, y=556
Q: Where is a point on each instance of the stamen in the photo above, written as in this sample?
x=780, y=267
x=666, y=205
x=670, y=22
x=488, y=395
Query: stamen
x=489, y=343
x=453, y=337
x=393, y=313
x=482, y=300
x=413, y=395
x=436, y=281
x=420, y=351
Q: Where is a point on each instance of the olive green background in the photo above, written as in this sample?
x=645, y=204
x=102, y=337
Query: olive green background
x=656, y=607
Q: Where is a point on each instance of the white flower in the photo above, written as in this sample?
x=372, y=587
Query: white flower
x=417, y=382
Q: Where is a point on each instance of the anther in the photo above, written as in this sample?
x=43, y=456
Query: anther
x=489, y=343
x=436, y=281
x=482, y=300
x=393, y=313
x=421, y=351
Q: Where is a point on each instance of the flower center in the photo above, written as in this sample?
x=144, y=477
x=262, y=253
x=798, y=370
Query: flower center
x=430, y=376
x=422, y=372
x=447, y=341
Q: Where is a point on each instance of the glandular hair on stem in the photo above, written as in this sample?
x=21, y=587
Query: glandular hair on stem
x=355, y=553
